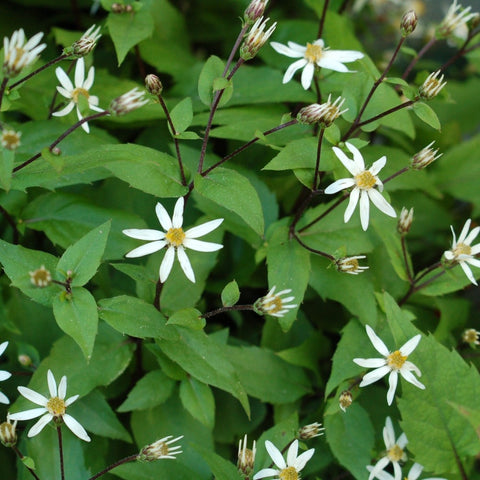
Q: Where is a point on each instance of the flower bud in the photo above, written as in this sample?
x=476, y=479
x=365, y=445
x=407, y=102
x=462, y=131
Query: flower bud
x=10, y=139
x=405, y=221
x=424, y=157
x=255, y=10
x=8, y=435
x=409, y=22
x=325, y=114
x=471, y=336
x=256, y=38
x=86, y=43
x=350, y=265
x=153, y=85
x=310, y=431
x=246, y=457
x=345, y=400
x=127, y=102
x=41, y=277
x=160, y=449
x=431, y=86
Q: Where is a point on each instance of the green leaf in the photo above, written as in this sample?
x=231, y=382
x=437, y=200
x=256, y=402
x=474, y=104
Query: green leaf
x=189, y=318
x=132, y=316
x=230, y=294
x=426, y=113
x=211, y=80
x=76, y=314
x=129, y=29
x=234, y=192
x=151, y=390
x=182, y=116
x=56, y=161
x=83, y=258
x=197, y=398
x=6, y=167
x=222, y=469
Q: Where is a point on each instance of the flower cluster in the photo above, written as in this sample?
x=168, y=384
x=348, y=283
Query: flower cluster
x=19, y=53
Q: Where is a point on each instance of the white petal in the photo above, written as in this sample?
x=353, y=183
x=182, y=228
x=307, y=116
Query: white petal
x=378, y=165
x=146, y=249
x=370, y=362
x=454, y=243
x=392, y=381
x=203, y=229
x=381, y=203
x=28, y=414
x=177, y=219
x=87, y=84
x=3, y=347
x=63, y=79
x=472, y=236
x=364, y=209
x=468, y=272
x=167, y=264
x=275, y=455
x=75, y=427
x=410, y=346
x=292, y=69
x=299, y=48
x=292, y=453
x=64, y=111
x=185, y=263
x=52, y=385
x=70, y=400
x=144, y=234
x=352, y=203
x=409, y=377
x=332, y=63
x=339, y=185
x=377, y=342
x=201, y=246
x=33, y=396
x=379, y=466
x=349, y=164
x=449, y=255
x=4, y=399
x=402, y=441
x=163, y=217
x=374, y=375
x=415, y=471
x=284, y=50
x=62, y=388
x=381, y=475
x=344, y=56
x=266, y=472
x=79, y=73
x=388, y=433
x=38, y=427
x=307, y=75
x=397, y=471
x=412, y=368
x=302, y=459
x=4, y=375
x=33, y=41
x=464, y=232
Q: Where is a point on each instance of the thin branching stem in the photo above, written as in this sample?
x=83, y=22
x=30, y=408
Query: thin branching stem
x=420, y=54
x=316, y=174
x=21, y=457
x=242, y=33
x=396, y=174
x=405, y=259
x=158, y=291
x=431, y=268
x=2, y=89
x=299, y=212
x=313, y=250
x=463, y=50
x=414, y=288
x=130, y=458
x=60, y=451
x=226, y=309
x=322, y=19
x=12, y=223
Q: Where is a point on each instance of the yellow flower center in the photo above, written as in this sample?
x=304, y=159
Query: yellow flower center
x=175, y=237
x=462, y=249
x=395, y=454
x=79, y=91
x=273, y=305
x=162, y=449
x=351, y=264
x=365, y=180
x=40, y=277
x=289, y=473
x=10, y=140
x=470, y=336
x=56, y=406
x=396, y=360
x=313, y=53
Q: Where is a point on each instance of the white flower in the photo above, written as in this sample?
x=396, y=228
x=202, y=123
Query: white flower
x=53, y=408
x=161, y=449
x=455, y=21
x=86, y=43
x=395, y=452
x=4, y=375
x=74, y=94
x=314, y=54
x=19, y=54
x=364, y=183
x=350, y=265
x=393, y=363
x=413, y=473
x=291, y=468
x=246, y=457
x=127, y=102
x=10, y=139
x=175, y=239
x=462, y=252
x=272, y=303
x=471, y=336
x=256, y=38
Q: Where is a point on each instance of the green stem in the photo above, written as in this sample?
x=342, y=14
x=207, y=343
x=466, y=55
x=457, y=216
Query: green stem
x=316, y=175
x=12, y=223
x=405, y=259
x=21, y=457
x=226, y=309
x=313, y=250
x=130, y=458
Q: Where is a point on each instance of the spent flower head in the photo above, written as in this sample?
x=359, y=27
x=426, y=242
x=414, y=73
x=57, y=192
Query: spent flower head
x=325, y=113
x=175, y=239
x=254, y=10
x=161, y=449
x=286, y=470
x=455, y=22
x=413, y=474
x=314, y=55
x=345, y=400
x=405, y=221
x=19, y=53
x=10, y=139
x=85, y=44
x=273, y=304
x=462, y=252
x=128, y=102
x=364, y=182
x=53, y=408
x=41, y=277
x=431, y=86
x=246, y=457
x=471, y=336
x=311, y=430
x=425, y=157
x=8, y=434
x=256, y=38
x=350, y=265
x=4, y=375
x=393, y=363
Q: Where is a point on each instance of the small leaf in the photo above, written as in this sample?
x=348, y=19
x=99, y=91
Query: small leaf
x=29, y=462
x=182, y=116
x=6, y=167
x=197, y=398
x=426, y=113
x=212, y=69
x=189, y=318
x=222, y=469
x=230, y=294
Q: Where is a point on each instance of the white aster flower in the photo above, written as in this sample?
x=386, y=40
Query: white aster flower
x=256, y=38
x=10, y=139
x=413, y=473
x=161, y=449
x=288, y=470
x=455, y=21
x=462, y=252
x=273, y=304
x=246, y=457
x=364, y=182
x=393, y=363
x=53, y=408
x=395, y=452
x=471, y=336
x=81, y=89
x=350, y=265
x=314, y=54
x=4, y=375
x=19, y=54
x=128, y=102
x=175, y=239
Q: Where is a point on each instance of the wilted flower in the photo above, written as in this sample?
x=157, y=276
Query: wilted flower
x=471, y=336
x=462, y=252
x=254, y=10
x=289, y=469
x=78, y=95
x=127, y=102
x=311, y=430
x=273, y=304
x=4, y=375
x=425, y=157
x=161, y=449
x=409, y=23
x=175, y=239
x=86, y=43
x=345, y=400
x=8, y=435
x=405, y=221
x=19, y=54
x=53, y=408
x=256, y=38
x=431, y=86
x=10, y=139
x=325, y=113
x=413, y=473
x=395, y=452
x=364, y=183
x=153, y=84
x=246, y=457
x=350, y=265
x=455, y=21
x=392, y=363
x=314, y=54
x=41, y=277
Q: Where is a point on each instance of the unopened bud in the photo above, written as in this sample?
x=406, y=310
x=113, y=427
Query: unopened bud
x=246, y=457
x=56, y=151
x=255, y=10
x=86, y=43
x=424, y=157
x=431, y=86
x=160, y=450
x=256, y=38
x=153, y=85
x=310, y=431
x=409, y=22
x=127, y=102
x=41, y=277
x=350, y=265
x=471, y=336
x=345, y=400
x=10, y=139
x=405, y=221
x=8, y=435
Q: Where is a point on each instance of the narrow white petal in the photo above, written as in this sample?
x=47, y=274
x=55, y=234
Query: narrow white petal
x=4, y=375
x=339, y=185
x=88, y=83
x=302, y=459
x=454, y=243
x=410, y=346
x=38, y=427
x=292, y=453
x=377, y=342
x=3, y=347
x=185, y=263
x=411, y=367
x=75, y=427
x=475, y=249
x=374, y=375
x=284, y=50
x=33, y=41
x=464, y=232
x=332, y=63
x=167, y=264
x=472, y=236
x=163, y=217
x=352, y=203
x=144, y=234
x=266, y=472
x=33, y=396
x=415, y=471
x=275, y=455
x=177, y=219
x=62, y=388
x=349, y=164
x=381, y=203
x=449, y=255
x=146, y=249
x=388, y=433
x=300, y=48
x=63, y=79
x=307, y=75
x=370, y=362
x=381, y=475
x=402, y=441
x=379, y=466
x=52, y=385
x=344, y=56
x=378, y=165
x=392, y=381
x=64, y=111
x=201, y=246
x=4, y=399
x=397, y=471
x=468, y=272
x=364, y=209
x=203, y=229
x=292, y=69
x=409, y=377
x=79, y=72
x=70, y=400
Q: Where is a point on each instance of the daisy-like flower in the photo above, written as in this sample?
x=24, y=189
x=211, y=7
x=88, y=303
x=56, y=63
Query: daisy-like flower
x=345, y=400
x=41, y=277
x=471, y=336
x=175, y=239
x=75, y=94
x=18, y=53
x=350, y=265
x=4, y=375
x=431, y=86
x=246, y=457
x=392, y=363
x=10, y=139
x=311, y=430
x=314, y=54
x=425, y=157
x=273, y=304
x=395, y=452
x=413, y=473
x=286, y=470
x=325, y=113
x=53, y=408
x=463, y=252
x=161, y=449
x=455, y=21
x=256, y=38
x=364, y=182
